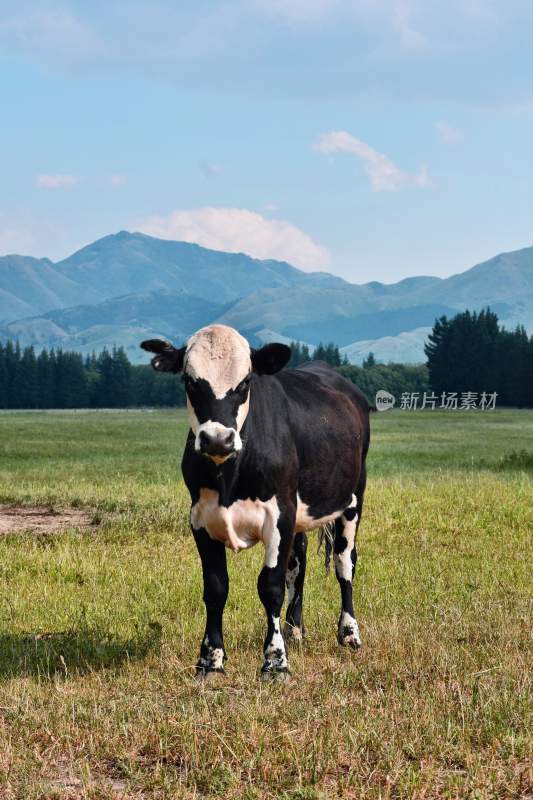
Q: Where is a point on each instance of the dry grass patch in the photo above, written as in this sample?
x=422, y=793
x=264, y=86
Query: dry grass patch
x=35, y=519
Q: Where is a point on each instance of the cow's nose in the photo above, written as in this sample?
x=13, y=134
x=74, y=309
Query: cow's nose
x=217, y=444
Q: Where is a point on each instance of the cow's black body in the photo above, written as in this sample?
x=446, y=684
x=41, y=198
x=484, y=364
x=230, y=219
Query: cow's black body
x=301, y=464
x=307, y=431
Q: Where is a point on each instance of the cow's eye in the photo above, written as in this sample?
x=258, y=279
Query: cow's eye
x=243, y=385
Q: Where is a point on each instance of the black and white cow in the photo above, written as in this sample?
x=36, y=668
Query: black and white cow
x=270, y=455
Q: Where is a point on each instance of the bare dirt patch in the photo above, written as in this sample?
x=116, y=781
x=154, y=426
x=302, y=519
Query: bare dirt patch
x=35, y=519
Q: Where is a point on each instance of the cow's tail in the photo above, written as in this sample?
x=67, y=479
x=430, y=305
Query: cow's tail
x=325, y=537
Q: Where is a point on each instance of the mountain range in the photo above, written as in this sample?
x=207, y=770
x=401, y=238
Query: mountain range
x=128, y=286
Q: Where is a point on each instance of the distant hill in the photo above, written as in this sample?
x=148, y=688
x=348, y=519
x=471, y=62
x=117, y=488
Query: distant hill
x=128, y=263
x=34, y=285
x=126, y=320
x=128, y=286
x=406, y=348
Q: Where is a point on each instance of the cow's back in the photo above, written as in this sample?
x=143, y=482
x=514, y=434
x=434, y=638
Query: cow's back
x=334, y=380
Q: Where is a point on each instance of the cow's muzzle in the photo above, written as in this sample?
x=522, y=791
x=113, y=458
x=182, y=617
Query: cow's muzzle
x=217, y=445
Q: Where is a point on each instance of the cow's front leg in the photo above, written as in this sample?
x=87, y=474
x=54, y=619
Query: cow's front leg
x=345, y=558
x=216, y=584
x=294, y=580
x=277, y=536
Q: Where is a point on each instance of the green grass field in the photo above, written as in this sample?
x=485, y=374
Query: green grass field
x=99, y=630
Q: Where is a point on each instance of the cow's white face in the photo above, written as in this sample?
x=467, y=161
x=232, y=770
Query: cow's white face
x=217, y=365
x=217, y=370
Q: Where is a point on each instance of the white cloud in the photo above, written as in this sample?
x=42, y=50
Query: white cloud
x=118, y=179
x=56, y=181
x=448, y=134
x=384, y=175
x=239, y=230
x=66, y=181
x=221, y=43
x=53, y=36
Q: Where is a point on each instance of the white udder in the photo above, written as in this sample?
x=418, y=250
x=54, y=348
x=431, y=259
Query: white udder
x=241, y=525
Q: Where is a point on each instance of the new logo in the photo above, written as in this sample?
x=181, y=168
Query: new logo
x=384, y=400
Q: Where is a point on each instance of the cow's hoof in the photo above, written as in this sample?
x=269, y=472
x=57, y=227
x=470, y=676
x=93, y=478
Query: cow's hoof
x=348, y=632
x=351, y=640
x=209, y=675
x=275, y=675
x=293, y=634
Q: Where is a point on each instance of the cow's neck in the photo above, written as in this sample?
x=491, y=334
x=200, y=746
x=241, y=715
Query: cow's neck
x=225, y=476
x=223, y=483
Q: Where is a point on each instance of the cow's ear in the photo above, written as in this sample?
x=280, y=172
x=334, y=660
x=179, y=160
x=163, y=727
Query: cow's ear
x=168, y=358
x=270, y=358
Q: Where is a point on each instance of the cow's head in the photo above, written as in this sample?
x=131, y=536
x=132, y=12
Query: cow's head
x=217, y=365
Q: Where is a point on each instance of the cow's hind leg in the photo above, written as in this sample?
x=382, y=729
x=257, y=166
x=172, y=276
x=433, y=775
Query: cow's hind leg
x=294, y=580
x=216, y=585
x=345, y=559
x=271, y=587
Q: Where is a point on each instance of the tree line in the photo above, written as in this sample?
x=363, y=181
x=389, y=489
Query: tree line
x=371, y=376
x=472, y=353
x=469, y=353
x=64, y=379
x=323, y=352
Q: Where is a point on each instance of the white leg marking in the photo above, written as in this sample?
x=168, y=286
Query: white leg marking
x=275, y=656
x=214, y=658
x=348, y=627
x=343, y=560
x=349, y=631
x=271, y=534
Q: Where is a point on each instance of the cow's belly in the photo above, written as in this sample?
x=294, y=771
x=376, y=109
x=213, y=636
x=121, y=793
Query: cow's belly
x=306, y=522
x=238, y=526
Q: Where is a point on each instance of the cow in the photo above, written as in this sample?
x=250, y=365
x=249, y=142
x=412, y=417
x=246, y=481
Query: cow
x=271, y=454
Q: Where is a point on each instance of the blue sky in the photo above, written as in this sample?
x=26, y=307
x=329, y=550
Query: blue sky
x=373, y=138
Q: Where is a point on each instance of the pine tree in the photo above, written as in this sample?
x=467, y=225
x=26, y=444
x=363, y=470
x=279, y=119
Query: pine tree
x=320, y=353
x=121, y=379
x=52, y=384
x=45, y=378
x=143, y=385
x=437, y=352
x=60, y=381
x=12, y=361
x=26, y=383
x=75, y=381
x=472, y=353
x=104, y=393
